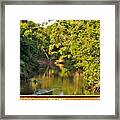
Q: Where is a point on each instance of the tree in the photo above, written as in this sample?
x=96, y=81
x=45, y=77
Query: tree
x=76, y=42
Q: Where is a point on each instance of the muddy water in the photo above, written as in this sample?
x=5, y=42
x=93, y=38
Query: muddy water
x=53, y=80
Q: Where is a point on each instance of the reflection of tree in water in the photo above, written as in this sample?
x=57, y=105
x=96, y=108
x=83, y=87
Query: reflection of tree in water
x=60, y=80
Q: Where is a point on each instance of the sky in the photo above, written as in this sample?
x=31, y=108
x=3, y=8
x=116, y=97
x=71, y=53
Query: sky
x=42, y=21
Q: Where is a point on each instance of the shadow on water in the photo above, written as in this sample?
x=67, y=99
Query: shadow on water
x=53, y=80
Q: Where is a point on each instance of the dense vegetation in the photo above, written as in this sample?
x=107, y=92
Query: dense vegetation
x=76, y=42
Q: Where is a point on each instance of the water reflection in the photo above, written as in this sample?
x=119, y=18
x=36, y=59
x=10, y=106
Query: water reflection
x=54, y=80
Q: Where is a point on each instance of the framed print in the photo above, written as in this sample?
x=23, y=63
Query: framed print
x=60, y=59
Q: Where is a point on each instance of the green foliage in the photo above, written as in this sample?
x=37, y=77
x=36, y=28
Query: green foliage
x=77, y=42
x=31, y=48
